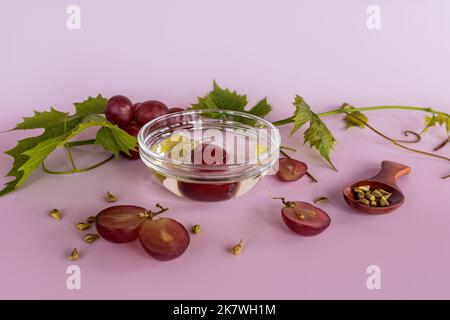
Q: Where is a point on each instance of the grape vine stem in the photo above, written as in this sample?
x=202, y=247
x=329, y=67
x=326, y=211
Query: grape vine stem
x=394, y=141
x=69, y=145
x=77, y=170
x=340, y=111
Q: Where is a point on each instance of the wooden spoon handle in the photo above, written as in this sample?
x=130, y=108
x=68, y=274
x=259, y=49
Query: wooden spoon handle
x=390, y=172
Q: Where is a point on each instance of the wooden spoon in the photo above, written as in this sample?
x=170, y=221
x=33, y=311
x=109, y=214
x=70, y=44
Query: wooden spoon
x=385, y=179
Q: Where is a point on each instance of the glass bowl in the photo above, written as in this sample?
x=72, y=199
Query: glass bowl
x=209, y=155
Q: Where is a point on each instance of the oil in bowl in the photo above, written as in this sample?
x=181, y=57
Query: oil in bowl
x=209, y=155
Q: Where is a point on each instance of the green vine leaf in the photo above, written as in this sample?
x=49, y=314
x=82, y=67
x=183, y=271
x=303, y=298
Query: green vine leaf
x=226, y=99
x=45, y=119
x=109, y=136
x=37, y=154
x=317, y=135
x=350, y=121
x=261, y=109
x=28, y=150
x=91, y=105
x=20, y=162
x=437, y=119
x=60, y=128
x=113, y=139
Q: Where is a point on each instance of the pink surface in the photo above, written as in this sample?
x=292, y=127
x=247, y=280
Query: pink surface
x=171, y=50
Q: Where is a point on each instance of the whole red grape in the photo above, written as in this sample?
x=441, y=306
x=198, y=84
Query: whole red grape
x=178, y=119
x=149, y=110
x=175, y=109
x=209, y=155
x=119, y=110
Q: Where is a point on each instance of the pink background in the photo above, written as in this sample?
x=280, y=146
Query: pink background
x=171, y=50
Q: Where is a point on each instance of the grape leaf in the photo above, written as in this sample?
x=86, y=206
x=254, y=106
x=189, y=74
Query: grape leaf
x=317, y=135
x=226, y=99
x=113, y=139
x=43, y=119
x=22, y=152
x=91, y=106
x=261, y=109
x=441, y=119
x=60, y=128
x=349, y=119
x=109, y=136
x=37, y=154
x=19, y=161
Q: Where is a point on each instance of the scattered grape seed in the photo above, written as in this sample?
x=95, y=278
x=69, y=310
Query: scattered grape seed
x=91, y=219
x=237, y=249
x=321, y=200
x=55, y=214
x=196, y=229
x=75, y=255
x=83, y=226
x=91, y=237
x=110, y=197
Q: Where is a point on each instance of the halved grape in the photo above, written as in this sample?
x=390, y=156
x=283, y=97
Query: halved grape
x=149, y=110
x=304, y=218
x=291, y=169
x=164, y=238
x=120, y=224
x=119, y=110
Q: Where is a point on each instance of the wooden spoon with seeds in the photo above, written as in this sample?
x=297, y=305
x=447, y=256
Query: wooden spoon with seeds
x=386, y=180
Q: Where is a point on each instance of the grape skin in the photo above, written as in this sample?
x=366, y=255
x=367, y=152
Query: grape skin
x=291, y=169
x=119, y=110
x=149, y=110
x=119, y=224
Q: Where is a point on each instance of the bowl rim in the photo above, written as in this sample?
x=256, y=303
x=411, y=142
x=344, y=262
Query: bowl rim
x=188, y=171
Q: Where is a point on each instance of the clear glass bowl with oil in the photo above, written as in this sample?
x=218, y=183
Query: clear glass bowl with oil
x=209, y=155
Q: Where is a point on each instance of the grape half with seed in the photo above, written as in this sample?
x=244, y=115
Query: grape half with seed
x=164, y=238
x=291, y=169
x=120, y=224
